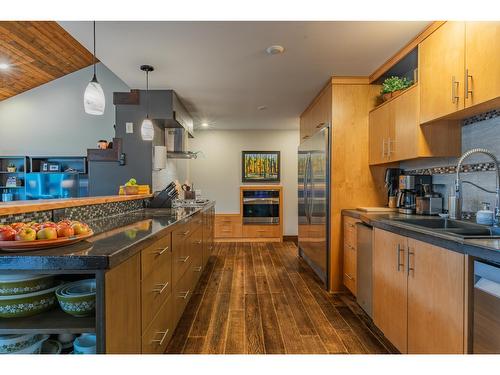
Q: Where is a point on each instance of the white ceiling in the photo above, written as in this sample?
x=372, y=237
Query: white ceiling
x=221, y=70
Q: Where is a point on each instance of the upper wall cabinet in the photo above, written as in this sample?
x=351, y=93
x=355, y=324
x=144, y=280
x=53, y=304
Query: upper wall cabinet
x=316, y=115
x=458, y=67
x=395, y=132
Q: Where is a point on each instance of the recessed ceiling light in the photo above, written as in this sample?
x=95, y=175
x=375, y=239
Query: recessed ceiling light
x=204, y=125
x=275, y=49
x=4, y=66
x=262, y=107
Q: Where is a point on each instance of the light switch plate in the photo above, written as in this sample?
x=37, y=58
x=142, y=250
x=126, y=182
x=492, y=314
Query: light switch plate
x=129, y=127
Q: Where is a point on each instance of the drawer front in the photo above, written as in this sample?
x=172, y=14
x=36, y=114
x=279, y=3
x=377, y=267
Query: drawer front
x=157, y=257
x=196, y=222
x=197, y=263
x=228, y=226
x=181, y=255
x=349, y=276
x=261, y=231
x=350, y=230
x=155, y=339
x=183, y=290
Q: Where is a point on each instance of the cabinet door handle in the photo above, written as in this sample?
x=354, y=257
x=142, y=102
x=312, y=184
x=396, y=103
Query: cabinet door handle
x=185, y=233
x=410, y=268
x=349, y=276
x=399, y=250
x=197, y=269
x=160, y=288
x=383, y=148
x=389, y=148
x=184, y=259
x=320, y=125
x=162, y=251
x=454, y=90
x=467, y=90
x=185, y=294
x=197, y=242
x=163, y=337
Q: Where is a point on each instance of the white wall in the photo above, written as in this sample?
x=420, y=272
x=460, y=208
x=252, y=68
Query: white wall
x=218, y=172
x=50, y=119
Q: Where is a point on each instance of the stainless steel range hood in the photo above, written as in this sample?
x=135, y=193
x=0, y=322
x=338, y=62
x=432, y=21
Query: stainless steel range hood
x=176, y=141
x=180, y=117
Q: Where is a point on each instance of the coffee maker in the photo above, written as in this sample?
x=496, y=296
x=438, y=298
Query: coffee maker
x=411, y=187
x=392, y=185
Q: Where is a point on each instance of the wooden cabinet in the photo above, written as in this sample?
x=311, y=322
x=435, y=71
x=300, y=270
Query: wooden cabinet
x=458, y=69
x=390, y=287
x=316, y=115
x=395, y=132
x=208, y=234
x=350, y=254
x=435, y=299
x=160, y=331
x=482, y=55
x=418, y=294
x=441, y=71
x=228, y=225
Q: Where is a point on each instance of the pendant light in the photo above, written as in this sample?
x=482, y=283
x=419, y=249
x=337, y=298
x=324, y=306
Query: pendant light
x=93, y=99
x=147, y=129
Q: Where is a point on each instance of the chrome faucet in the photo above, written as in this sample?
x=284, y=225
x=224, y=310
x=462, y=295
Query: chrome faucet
x=458, y=182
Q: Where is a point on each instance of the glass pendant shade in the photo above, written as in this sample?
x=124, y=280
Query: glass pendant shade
x=147, y=130
x=94, y=99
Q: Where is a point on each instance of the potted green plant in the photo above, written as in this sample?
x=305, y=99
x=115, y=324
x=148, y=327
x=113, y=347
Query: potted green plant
x=11, y=168
x=392, y=85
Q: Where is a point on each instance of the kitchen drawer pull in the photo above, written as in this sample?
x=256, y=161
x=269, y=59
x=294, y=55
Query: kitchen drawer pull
x=412, y=269
x=184, y=259
x=185, y=294
x=197, y=269
x=197, y=242
x=321, y=124
x=162, y=251
x=160, y=288
x=349, y=276
x=262, y=230
x=185, y=233
x=399, y=250
x=200, y=222
x=163, y=337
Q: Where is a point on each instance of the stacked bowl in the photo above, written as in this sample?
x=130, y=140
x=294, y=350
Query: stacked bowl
x=22, y=344
x=25, y=294
x=77, y=298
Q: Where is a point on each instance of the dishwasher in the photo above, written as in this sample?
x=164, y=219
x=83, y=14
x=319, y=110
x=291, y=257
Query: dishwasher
x=486, y=313
x=364, y=267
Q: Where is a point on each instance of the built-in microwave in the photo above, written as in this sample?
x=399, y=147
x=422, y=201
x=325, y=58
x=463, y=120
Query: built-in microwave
x=261, y=206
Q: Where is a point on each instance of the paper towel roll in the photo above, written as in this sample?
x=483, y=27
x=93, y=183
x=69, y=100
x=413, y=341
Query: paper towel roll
x=160, y=158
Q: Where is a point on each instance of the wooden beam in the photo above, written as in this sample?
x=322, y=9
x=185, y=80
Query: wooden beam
x=405, y=50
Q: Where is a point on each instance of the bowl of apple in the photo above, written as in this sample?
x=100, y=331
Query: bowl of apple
x=37, y=236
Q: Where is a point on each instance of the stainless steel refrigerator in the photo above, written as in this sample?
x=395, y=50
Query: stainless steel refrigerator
x=314, y=201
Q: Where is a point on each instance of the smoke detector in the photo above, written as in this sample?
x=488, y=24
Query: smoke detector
x=275, y=50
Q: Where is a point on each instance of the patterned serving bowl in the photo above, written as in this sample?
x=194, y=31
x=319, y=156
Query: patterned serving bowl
x=21, y=344
x=77, y=298
x=18, y=305
x=19, y=283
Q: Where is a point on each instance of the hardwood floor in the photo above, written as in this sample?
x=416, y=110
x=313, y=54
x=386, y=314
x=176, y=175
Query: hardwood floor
x=261, y=298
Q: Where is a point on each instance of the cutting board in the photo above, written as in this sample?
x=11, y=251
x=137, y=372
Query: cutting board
x=376, y=209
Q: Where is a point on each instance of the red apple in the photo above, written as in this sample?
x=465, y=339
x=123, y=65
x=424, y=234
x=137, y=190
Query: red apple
x=7, y=234
x=48, y=233
x=26, y=234
x=49, y=224
x=65, y=221
x=64, y=230
x=18, y=226
x=36, y=226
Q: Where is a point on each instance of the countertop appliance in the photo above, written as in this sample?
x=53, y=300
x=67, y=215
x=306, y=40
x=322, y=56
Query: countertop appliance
x=486, y=311
x=364, y=267
x=430, y=204
x=261, y=206
x=314, y=201
x=392, y=181
x=411, y=187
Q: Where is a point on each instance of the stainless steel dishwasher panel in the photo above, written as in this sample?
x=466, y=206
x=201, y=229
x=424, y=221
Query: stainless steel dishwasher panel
x=364, y=267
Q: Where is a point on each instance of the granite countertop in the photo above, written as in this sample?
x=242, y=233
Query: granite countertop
x=116, y=239
x=486, y=249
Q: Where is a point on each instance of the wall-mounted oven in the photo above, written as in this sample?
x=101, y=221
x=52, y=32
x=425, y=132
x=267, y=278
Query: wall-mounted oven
x=261, y=206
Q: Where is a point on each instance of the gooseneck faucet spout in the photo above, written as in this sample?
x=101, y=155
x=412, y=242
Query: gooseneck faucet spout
x=458, y=184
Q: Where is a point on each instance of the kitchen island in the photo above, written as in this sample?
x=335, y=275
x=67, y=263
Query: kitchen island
x=146, y=263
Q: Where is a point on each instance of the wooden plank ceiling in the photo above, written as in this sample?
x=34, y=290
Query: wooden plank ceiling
x=37, y=52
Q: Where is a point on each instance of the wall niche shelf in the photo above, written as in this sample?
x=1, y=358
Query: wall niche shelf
x=109, y=154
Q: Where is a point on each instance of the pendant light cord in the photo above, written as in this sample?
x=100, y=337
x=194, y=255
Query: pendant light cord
x=147, y=93
x=93, y=56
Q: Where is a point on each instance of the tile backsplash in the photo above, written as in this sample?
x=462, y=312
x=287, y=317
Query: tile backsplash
x=478, y=131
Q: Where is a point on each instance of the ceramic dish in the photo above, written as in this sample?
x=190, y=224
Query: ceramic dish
x=78, y=298
x=19, y=283
x=51, y=347
x=42, y=244
x=14, y=343
x=34, y=348
x=85, y=344
x=19, y=305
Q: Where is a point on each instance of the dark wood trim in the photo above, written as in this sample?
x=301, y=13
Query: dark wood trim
x=294, y=239
x=127, y=98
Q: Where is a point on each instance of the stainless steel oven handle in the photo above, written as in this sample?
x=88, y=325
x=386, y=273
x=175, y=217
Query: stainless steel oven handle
x=261, y=201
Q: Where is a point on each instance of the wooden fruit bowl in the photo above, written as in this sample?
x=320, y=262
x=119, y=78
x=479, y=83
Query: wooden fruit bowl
x=42, y=244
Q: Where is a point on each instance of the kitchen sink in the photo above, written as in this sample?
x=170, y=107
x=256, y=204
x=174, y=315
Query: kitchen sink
x=456, y=228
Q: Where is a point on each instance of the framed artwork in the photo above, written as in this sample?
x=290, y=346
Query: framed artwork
x=260, y=166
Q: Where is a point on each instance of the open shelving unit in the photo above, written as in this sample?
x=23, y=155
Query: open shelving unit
x=21, y=163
